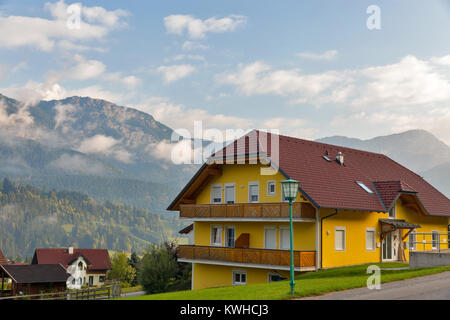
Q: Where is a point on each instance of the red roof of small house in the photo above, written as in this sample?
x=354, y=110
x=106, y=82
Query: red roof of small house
x=3, y=260
x=327, y=183
x=96, y=259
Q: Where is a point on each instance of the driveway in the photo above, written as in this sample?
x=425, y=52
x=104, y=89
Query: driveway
x=433, y=287
x=132, y=294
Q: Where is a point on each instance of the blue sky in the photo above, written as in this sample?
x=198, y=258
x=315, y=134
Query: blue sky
x=308, y=68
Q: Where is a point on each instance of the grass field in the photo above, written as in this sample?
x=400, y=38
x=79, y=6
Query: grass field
x=307, y=284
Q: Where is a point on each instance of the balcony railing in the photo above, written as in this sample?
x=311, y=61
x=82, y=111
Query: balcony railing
x=302, y=259
x=247, y=210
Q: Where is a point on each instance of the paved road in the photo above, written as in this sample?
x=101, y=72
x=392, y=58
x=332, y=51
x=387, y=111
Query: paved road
x=434, y=287
x=132, y=294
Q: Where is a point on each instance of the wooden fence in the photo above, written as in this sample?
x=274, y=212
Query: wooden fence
x=108, y=292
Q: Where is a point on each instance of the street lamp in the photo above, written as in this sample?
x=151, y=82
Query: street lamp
x=290, y=189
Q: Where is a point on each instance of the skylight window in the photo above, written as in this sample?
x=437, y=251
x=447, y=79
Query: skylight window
x=366, y=188
x=326, y=158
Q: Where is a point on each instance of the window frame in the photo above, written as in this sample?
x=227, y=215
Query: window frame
x=340, y=228
x=213, y=186
x=437, y=241
x=250, y=184
x=412, y=236
x=231, y=184
x=270, y=193
x=269, y=274
x=284, y=228
x=218, y=226
x=226, y=235
x=374, y=230
x=239, y=283
x=394, y=213
x=276, y=236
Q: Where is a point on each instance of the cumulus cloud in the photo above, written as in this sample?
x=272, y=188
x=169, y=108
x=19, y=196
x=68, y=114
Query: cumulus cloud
x=101, y=144
x=64, y=113
x=44, y=34
x=411, y=81
x=163, y=110
x=175, y=72
x=77, y=164
x=327, y=55
x=97, y=144
x=196, y=28
x=193, y=45
x=259, y=78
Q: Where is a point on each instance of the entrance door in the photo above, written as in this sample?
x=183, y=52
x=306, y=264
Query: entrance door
x=91, y=281
x=390, y=246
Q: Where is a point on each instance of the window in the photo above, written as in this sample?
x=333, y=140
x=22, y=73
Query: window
x=101, y=279
x=229, y=237
x=434, y=240
x=274, y=277
x=412, y=241
x=392, y=213
x=339, y=239
x=370, y=239
x=216, y=236
x=216, y=194
x=230, y=193
x=285, y=240
x=80, y=265
x=271, y=188
x=366, y=188
x=91, y=281
x=239, y=278
x=253, y=192
x=270, y=238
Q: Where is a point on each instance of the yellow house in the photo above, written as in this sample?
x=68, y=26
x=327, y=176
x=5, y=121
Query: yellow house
x=352, y=207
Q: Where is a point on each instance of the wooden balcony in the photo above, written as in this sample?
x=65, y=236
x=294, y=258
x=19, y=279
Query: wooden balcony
x=303, y=260
x=300, y=210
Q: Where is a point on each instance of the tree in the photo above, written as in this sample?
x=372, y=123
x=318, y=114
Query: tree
x=135, y=262
x=121, y=270
x=159, y=268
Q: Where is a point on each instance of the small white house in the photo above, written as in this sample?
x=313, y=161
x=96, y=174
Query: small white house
x=87, y=267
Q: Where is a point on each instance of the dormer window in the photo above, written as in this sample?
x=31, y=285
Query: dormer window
x=366, y=188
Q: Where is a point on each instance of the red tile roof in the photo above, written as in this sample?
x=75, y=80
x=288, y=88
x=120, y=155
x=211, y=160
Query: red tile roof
x=328, y=184
x=97, y=259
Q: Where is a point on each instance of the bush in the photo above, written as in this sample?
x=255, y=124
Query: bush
x=158, y=269
x=121, y=270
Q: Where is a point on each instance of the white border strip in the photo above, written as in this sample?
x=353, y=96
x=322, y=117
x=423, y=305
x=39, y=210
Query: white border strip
x=246, y=265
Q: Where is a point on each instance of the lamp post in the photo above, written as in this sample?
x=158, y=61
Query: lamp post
x=290, y=189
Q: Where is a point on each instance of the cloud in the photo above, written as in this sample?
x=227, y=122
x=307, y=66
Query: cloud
x=64, y=113
x=259, y=78
x=175, y=72
x=410, y=81
x=196, y=28
x=163, y=110
x=327, y=55
x=77, y=164
x=97, y=144
x=43, y=34
x=192, y=45
x=101, y=144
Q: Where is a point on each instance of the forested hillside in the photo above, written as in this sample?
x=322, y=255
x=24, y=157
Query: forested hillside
x=31, y=218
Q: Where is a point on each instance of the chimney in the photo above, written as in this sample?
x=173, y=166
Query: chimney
x=340, y=158
x=70, y=250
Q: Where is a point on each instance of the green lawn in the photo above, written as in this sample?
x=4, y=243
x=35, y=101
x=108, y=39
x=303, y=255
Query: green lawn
x=307, y=284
